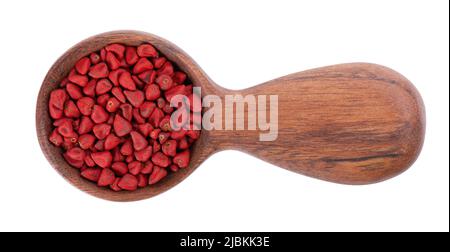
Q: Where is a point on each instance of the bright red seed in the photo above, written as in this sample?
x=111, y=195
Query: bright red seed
x=82, y=66
x=91, y=174
x=164, y=81
x=106, y=178
x=117, y=49
x=152, y=92
x=101, y=130
x=128, y=182
x=99, y=115
x=158, y=173
x=102, y=159
x=131, y=56
x=134, y=167
x=120, y=168
x=182, y=159
x=146, y=50
x=126, y=81
x=86, y=125
x=136, y=98
x=85, y=105
x=142, y=65
x=112, y=141
x=103, y=86
x=139, y=141
x=121, y=126
x=160, y=159
x=86, y=141
x=170, y=148
x=144, y=154
x=99, y=71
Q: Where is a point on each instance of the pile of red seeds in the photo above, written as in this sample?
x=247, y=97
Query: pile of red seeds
x=111, y=116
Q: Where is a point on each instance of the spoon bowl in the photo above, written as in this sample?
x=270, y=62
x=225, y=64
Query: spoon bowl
x=354, y=123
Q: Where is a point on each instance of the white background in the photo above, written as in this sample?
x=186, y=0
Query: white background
x=239, y=44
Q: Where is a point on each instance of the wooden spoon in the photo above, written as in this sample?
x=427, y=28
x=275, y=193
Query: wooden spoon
x=353, y=123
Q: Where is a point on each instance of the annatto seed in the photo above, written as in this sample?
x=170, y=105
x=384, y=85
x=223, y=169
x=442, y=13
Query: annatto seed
x=99, y=71
x=146, y=50
x=158, y=173
x=128, y=182
x=182, y=159
x=120, y=168
x=112, y=117
x=106, y=178
x=102, y=159
x=126, y=81
x=160, y=159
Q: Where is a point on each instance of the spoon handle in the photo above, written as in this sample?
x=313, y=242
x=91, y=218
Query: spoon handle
x=352, y=123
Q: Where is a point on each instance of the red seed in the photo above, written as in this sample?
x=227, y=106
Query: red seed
x=89, y=161
x=55, y=138
x=82, y=66
x=103, y=54
x=80, y=80
x=158, y=173
x=142, y=180
x=129, y=159
x=165, y=123
x=142, y=65
x=160, y=102
x=139, y=142
x=194, y=134
x=86, y=125
x=117, y=92
x=102, y=159
x=183, y=144
x=86, y=141
x=145, y=76
x=91, y=174
x=156, y=117
x=147, y=108
x=85, y=105
x=160, y=159
x=164, y=81
x=99, y=115
x=131, y=56
x=170, y=148
x=176, y=90
x=145, y=129
x=121, y=126
x=120, y=168
x=163, y=136
x=89, y=89
x=128, y=182
x=117, y=156
x=117, y=49
x=71, y=110
x=115, y=185
x=126, y=81
x=179, y=77
x=99, y=71
x=178, y=134
x=174, y=167
x=127, y=148
x=147, y=50
x=101, y=130
x=156, y=146
x=144, y=154
x=95, y=58
x=103, y=86
x=100, y=145
x=66, y=129
x=127, y=111
x=134, y=167
x=152, y=92
x=114, y=76
x=58, y=98
x=103, y=99
x=112, y=61
x=167, y=109
x=155, y=133
x=182, y=159
x=147, y=167
x=112, y=105
x=159, y=62
x=75, y=157
x=136, y=98
x=167, y=68
x=74, y=91
x=112, y=141
x=106, y=178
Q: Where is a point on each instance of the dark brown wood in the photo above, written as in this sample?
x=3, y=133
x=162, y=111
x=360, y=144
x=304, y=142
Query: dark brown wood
x=353, y=123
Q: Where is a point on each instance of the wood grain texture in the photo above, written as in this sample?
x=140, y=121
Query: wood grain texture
x=352, y=123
